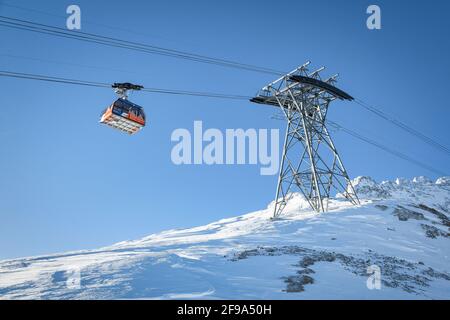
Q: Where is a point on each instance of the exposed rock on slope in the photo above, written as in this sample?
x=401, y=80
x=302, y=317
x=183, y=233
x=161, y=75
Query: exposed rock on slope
x=401, y=229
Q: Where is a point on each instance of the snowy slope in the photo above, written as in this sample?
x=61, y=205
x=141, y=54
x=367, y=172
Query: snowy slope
x=402, y=227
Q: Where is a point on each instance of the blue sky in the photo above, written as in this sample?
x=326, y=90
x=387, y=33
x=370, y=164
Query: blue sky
x=67, y=183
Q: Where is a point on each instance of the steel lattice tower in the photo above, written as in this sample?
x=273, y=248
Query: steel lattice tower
x=310, y=161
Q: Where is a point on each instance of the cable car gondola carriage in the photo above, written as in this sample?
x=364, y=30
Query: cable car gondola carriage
x=123, y=114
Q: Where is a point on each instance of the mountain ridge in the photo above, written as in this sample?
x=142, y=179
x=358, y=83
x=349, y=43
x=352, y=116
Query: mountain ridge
x=401, y=226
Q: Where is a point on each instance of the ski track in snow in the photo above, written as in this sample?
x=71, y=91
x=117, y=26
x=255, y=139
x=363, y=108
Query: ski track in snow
x=402, y=226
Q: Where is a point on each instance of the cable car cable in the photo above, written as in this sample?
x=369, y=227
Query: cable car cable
x=85, y=21
x=29, y=76
x=215, y=95
x=372, y=109
x=120, y=45
x=105, y=40
x=385, y=148
x=404, y=127
x=72, y=64
x=337, y=127
x=109, y=41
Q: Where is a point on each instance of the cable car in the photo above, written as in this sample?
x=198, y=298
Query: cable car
x=123, y=114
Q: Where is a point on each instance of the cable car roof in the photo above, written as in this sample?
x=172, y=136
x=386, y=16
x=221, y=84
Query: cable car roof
x=129, y=106
x=127, y=103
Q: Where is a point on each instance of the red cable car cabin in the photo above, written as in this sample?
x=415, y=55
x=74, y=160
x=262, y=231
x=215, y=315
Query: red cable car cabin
x=124, y=115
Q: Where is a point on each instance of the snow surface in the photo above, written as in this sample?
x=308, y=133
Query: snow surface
x=402, y=227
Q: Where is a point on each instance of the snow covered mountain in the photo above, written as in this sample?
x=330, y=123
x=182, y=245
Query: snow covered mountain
x=401, y=227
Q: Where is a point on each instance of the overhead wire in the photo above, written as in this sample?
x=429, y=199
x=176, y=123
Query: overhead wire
x=121, y=43
x=29, y=76
x=145, y=48
x=333, y=124
x=385, y=148
x=432, y=142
